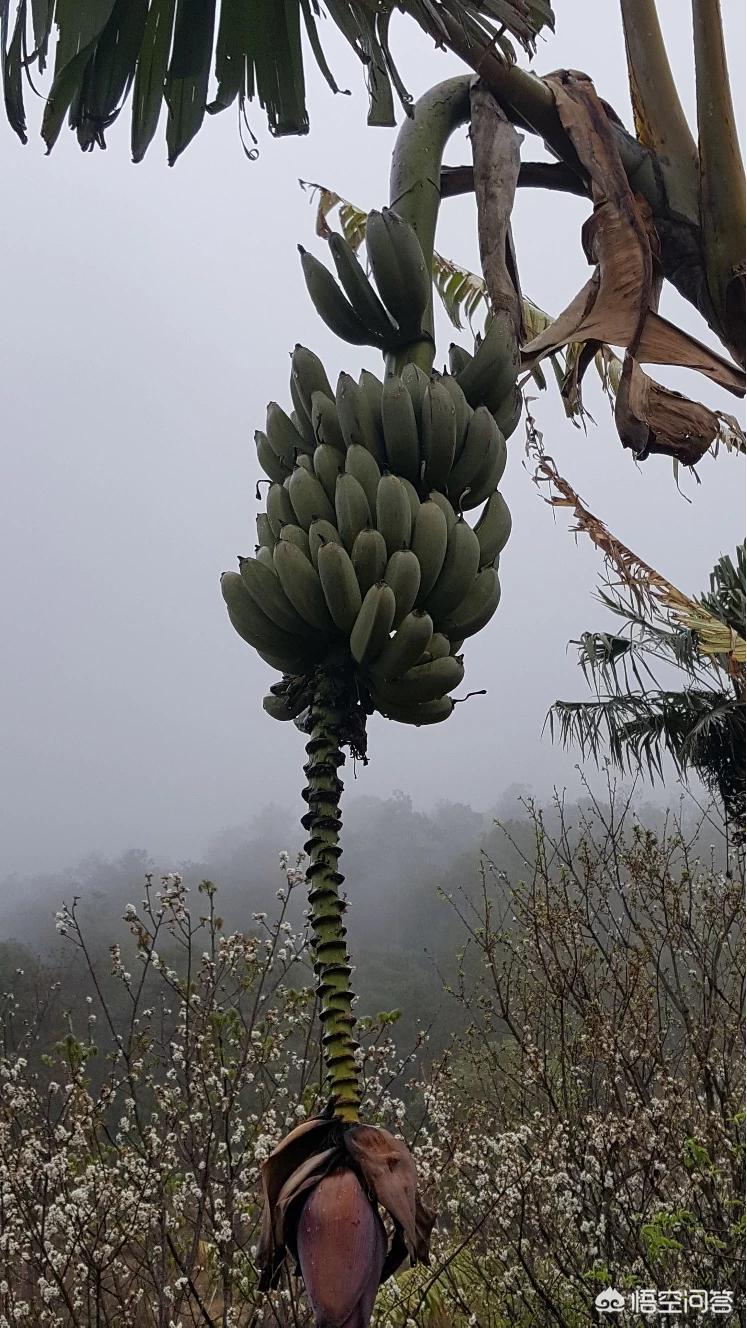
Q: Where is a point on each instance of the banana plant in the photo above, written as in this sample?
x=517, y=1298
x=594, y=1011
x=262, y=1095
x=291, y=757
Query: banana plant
x=152, y=52
x=368, y=579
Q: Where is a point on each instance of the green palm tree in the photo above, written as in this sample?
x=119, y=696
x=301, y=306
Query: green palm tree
x=637, y=722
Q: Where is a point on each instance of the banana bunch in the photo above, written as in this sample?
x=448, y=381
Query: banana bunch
x=419, y=427
x=387, y=316
x=488, y=378
x=358, y=560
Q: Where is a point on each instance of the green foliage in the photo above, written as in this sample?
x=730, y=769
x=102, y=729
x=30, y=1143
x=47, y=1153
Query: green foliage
x=635, y=721
x=165, y=51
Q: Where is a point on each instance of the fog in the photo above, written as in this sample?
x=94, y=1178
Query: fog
x=148, y=317
x=412, y=880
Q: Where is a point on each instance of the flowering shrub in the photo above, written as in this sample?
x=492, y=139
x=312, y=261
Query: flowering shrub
x=586, y=1131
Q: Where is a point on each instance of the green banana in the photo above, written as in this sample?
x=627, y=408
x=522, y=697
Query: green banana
x=296, y=535
x=492, y=372
x=399, y=270
x=274, y=468
x=302, y=585
x=324, y=422
x=251, y=623
x=310, y=502
x=403, y=575
x=429, y=712
x=279, y=707
x=320, y=533
x=479, y=444
x=412, y=637
x=424, y=682
x=352, y=512
x=299, y=421
x=412, y=498
x=457, y=574
x=360, y=292
x=393, y=514
x=265, y=536
x=476, y=609
x=488, y=476
x=266, y=591
x=283, y=436
x=288, y=663
x=442, y=501
x=459, y=358
x=401, y=438
x=371, y=389
x=328, y=463
x=462, y=409
x=429, y=538
x=360, y=463
x=279, y=508
x=340, y=586
x=493, y=529
x=308, y=375
x=264, y=555
x=369, y=558
x=416, y=381
x=508, y=414
x=370, y=633
x=438, y=646
x=357, y=423
x=305, y=462
x=438, y=434
x=332, y=306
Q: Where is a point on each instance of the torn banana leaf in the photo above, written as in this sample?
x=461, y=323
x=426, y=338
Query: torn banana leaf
x=464, y=296
x=618, y=304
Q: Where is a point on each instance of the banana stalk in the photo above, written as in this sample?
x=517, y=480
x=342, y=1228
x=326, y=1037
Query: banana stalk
x=414, y=186
x=330, y=711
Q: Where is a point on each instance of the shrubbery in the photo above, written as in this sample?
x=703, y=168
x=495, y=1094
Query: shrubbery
x=586, y=1131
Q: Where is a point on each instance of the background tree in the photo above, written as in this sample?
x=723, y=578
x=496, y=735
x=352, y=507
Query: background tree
x=637, y=721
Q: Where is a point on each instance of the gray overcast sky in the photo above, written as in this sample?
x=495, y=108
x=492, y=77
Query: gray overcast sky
x=148, y=316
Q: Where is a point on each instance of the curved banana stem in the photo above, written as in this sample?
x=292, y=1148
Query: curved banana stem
x=415, y=184
x=331, y=961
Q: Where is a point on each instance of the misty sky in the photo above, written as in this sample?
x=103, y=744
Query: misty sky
x=148, y=315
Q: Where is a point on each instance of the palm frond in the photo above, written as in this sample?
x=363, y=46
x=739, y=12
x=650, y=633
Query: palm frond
x=650, y=591
x=151, y=52
x=634, y=721
x=702, y=732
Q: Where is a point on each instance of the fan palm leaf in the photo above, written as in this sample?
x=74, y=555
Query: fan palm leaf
x=634, y=721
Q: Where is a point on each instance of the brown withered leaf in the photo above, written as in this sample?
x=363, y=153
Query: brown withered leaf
x=495, y=151
x=649, y=589
x=618, y=304
x=652, y=418
x=389, y=1172
x=304, y=1142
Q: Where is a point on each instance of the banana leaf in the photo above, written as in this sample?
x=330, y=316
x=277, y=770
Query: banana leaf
x=156, y=52
x=465, y=299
